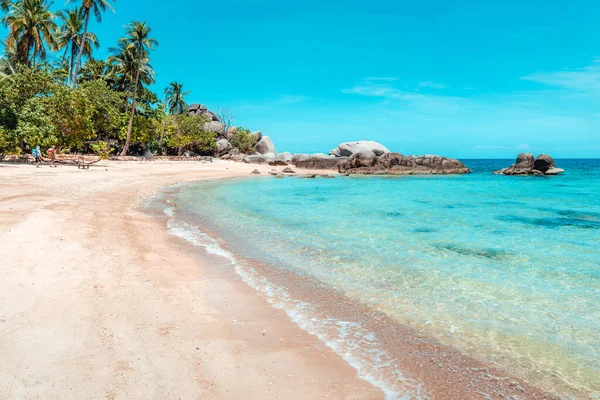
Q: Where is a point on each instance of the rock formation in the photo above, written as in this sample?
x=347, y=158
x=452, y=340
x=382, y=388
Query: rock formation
x=317, y=161
x=265, y=146
x=527, y=165
x=397, y=164
x=223, y=146
x=365, y=147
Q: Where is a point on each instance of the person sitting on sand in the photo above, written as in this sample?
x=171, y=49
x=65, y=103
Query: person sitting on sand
x=52, y=154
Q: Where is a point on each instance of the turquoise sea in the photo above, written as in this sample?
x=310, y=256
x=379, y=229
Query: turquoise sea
x=507, y=269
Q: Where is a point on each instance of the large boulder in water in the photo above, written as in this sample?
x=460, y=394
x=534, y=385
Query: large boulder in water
x=397, y=164
x=365, y=147
x=317, y=161
x=265, y=145
x=543, y=163
x=526, y=165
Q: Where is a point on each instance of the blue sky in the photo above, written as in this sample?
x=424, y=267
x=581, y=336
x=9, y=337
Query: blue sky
x=468, y=79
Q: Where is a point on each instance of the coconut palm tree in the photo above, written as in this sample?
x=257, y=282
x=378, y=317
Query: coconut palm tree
x=4, y=5
x=123, y=68
x=88, y=7
x=174, y=104
x=31, y=27
x=175, y=98
x=139, y=43
x=70, y=37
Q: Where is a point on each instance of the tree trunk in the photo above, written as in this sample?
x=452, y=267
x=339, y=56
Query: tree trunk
x=162, y=134
x=137, y=79
x=81, y=46
x=28, y=50
x=71, y=63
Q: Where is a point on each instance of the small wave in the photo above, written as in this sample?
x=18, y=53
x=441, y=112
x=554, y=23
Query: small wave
x=356, y=345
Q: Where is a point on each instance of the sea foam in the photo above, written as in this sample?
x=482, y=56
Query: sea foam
x=356, y=345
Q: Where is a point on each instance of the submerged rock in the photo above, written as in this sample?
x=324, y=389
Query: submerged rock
x=526, y=165
x=397, y=164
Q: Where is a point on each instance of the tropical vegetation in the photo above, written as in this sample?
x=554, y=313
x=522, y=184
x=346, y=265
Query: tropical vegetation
x=54, y=92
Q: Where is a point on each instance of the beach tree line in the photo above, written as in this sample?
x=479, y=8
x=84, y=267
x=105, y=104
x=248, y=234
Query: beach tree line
x=54, y=92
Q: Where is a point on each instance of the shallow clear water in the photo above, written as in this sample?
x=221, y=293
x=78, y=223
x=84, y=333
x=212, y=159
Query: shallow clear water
x=504, y=268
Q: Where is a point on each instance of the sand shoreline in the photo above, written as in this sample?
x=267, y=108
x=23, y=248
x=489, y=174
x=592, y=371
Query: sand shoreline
x=98, y=301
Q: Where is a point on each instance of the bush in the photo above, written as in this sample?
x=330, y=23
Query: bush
x=189, y=134
x=243, y=141
x=102, y=149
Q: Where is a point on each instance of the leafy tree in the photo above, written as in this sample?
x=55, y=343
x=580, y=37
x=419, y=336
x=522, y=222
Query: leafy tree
x=190, y=135
x=88, y=7
x=71, y=113
x=31, y=27
x=69, y=37
x=107, y=116
x=8, y=142
x=35, y=126
x=243, y=140
x=139, y=42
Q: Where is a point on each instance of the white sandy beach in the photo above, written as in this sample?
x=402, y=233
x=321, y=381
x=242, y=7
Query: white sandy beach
x=98, y=302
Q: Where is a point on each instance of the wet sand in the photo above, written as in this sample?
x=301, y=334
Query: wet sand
x=98, y=301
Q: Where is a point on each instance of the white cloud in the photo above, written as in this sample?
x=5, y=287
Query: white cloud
x=583, y=79
x=431, y=85
x=380, y=90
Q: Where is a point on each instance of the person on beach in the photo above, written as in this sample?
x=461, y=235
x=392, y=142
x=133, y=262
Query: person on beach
x=52, y=154
x=37, y=155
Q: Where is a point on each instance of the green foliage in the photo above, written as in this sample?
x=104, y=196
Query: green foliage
x=189, y=134
x=103, y=149
x=71, y=114
x=35, y=126
x=8, y=142
x=108, y=114
x=243, y=141
x=38, y=106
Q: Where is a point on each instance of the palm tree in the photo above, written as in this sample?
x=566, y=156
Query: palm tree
x=31, y=26
x=4, y=5
x=70, y=37
x=88, y=7
x=174, y=97
x=174, y=103
x=123, y=68
x=139, y=43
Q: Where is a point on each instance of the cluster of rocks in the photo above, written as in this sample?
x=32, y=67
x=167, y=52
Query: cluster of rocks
x=397, y=164
x=526, y=164
x=361, y=157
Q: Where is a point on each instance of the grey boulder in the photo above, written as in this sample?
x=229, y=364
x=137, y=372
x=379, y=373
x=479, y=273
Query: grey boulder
x=526, y=165
x=397, y=164
x=317, y=161
x=216, y=127
x=543, y=163
x=365, y=147
x=265, y=145
x=223, y=146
